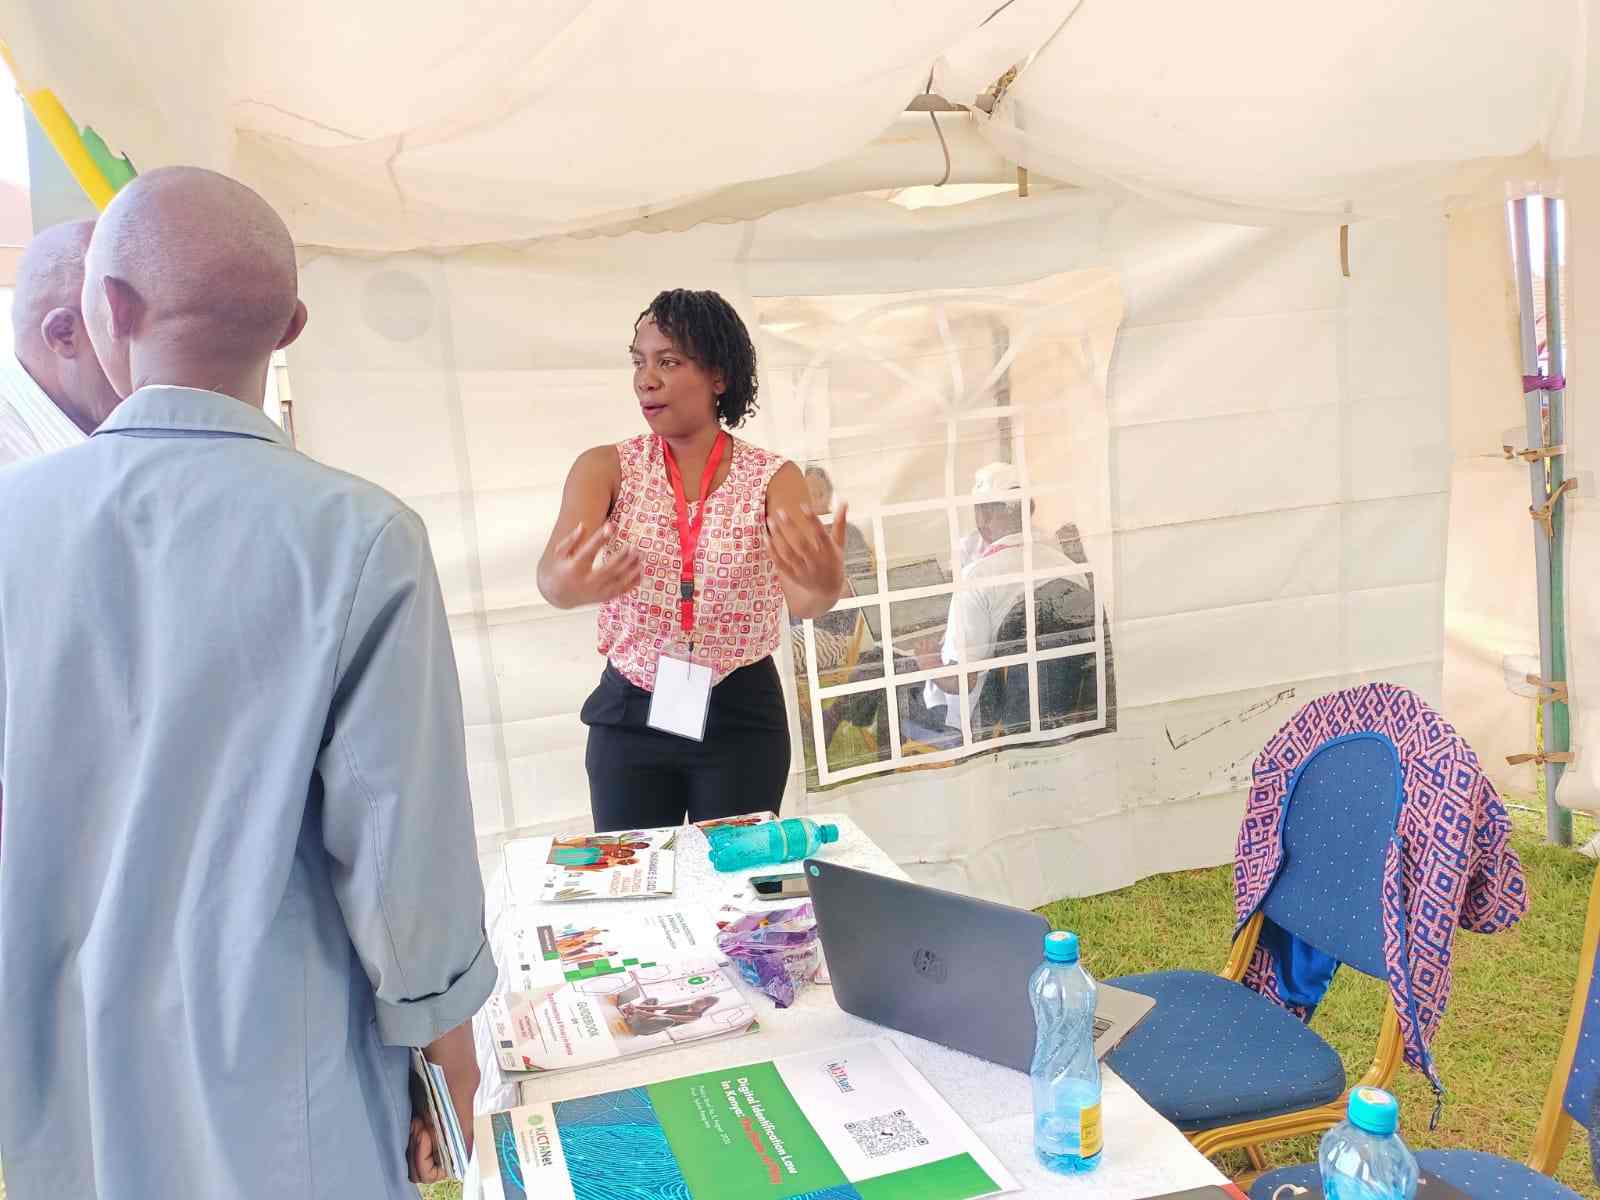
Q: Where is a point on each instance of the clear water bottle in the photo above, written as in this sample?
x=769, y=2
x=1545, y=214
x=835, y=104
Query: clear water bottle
x=734, y=848
x=1066, y=1073
x=1362, y=1157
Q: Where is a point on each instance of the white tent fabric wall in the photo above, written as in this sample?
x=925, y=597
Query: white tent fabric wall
x=1491, y=609
x=1491, y=614
x=1279, y=448
x=1279, y=470
x=467, y=385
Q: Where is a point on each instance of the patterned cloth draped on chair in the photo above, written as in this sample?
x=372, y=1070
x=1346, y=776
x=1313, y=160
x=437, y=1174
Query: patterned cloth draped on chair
x=1450, y=862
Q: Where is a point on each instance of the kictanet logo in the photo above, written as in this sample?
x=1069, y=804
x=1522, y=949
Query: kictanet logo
x=541, y=1140
x=840, y=1077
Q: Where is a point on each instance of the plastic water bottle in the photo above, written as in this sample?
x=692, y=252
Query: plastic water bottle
x=1362, y=1157
x=733, y=848
x=1066, y=1073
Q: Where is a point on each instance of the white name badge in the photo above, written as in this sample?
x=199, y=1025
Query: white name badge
x=681, y=699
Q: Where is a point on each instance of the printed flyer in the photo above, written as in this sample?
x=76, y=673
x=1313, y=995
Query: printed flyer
x=607, y=1015
x=592, y=866
x=850, y=1123
x=539, y=953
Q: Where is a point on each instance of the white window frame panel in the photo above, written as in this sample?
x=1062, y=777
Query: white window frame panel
x=891, y=681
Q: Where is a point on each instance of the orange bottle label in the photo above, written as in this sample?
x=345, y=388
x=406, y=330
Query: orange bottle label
x=1089, y=1134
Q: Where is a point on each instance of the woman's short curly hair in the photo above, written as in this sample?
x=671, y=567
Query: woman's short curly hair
x=706, y=328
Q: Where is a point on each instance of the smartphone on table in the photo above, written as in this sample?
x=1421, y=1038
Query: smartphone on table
x=789, y=885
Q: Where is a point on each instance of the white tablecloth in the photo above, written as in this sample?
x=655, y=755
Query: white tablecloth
x=1144, y=1155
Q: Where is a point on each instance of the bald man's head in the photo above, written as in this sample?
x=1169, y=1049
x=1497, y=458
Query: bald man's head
x=47, y=327
x=191, y=280
x=49, y=276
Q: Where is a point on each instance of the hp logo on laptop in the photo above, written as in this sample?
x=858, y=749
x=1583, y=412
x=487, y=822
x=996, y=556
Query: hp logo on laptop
x=929, y=965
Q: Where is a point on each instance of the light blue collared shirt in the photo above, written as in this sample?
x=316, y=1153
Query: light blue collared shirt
x=237, y=867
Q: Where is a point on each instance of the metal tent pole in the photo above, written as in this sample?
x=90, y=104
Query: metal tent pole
x=1558, y=725
x=1557, y=828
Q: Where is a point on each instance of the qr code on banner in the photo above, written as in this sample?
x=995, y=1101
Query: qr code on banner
x=888, y=1134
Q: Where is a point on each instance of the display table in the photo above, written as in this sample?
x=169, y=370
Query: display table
x=1144, y=1155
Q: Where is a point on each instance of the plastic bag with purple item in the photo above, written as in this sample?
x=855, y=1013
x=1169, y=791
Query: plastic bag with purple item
x=777, y=952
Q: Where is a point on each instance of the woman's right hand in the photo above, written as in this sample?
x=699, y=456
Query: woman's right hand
x=576, y=580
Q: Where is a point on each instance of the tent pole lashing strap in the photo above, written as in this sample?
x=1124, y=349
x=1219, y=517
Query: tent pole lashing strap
x=1553, y=691
x=1533, y=455
x=1545, y=513
x=1539, y=760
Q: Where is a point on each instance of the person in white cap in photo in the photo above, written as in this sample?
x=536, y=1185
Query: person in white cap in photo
x=996, y=477
x=977, y=614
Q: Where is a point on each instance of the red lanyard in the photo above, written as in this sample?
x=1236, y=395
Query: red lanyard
x=689, y=530
x=995, y=548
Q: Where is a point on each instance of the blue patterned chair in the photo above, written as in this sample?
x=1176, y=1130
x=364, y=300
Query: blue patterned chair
x=1568, y=1101
x=1224, y=1064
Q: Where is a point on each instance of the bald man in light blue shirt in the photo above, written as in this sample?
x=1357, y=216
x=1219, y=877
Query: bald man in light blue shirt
x=238, y=876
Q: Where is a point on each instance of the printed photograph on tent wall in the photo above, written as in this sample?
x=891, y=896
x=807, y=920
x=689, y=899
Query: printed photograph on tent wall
x=968, y=431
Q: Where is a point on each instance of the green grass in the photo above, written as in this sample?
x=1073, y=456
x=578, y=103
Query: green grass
x=1498, y=1044
x=1508, y=1006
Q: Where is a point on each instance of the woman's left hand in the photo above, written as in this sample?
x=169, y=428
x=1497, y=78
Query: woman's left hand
x=809, y=556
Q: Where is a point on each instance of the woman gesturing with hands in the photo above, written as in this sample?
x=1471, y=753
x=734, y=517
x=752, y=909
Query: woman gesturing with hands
x=691, y=541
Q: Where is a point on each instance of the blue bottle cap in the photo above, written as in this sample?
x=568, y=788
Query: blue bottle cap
x=1061, y=947
x=827, y=833
x=1374, y=1110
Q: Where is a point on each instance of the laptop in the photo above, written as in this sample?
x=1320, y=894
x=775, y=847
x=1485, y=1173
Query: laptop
x=944, y=967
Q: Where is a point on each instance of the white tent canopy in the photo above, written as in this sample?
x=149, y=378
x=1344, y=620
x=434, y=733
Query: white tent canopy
x=1257, y=450
x=499, y=122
